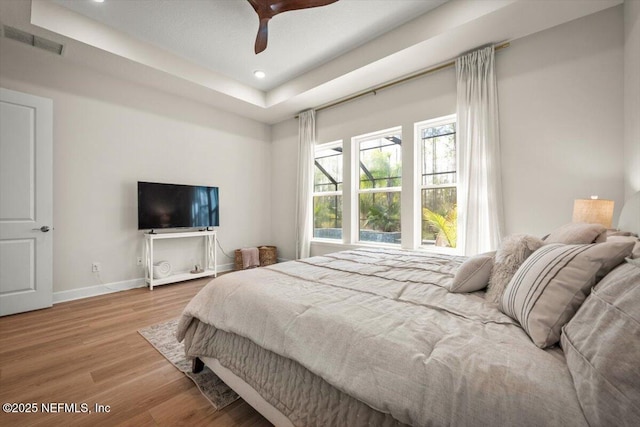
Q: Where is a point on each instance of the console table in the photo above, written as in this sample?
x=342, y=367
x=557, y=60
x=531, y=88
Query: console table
x=210, y=267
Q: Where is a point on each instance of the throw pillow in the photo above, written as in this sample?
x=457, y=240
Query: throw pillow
x=550, y=286
x=473, y=274
x=601, y=347
x=636, y=241
x=578, y=234
x=511, y=254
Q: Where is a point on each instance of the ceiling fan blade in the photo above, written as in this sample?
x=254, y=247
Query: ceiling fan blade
x=255, y=5
x=267, y=9
x=261, y=38
x=279, y=6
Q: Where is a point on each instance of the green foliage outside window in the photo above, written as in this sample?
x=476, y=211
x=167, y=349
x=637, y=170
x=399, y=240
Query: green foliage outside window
x=380, y=212
x=380, y=167
x=445, y=226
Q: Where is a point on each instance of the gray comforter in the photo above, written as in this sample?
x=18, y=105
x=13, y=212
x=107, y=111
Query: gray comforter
x=380, y=326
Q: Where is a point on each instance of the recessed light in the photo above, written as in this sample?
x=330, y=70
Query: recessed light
x=259, y=74
x=99, y=1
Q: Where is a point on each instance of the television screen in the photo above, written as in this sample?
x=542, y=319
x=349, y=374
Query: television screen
x=177, y=206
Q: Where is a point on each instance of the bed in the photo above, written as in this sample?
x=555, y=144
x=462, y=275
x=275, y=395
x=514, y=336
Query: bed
x=376, y=337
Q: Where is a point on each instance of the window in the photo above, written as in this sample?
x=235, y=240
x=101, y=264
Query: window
x=438, y=187
x=327, y=191
x=379, y=158
x=367, y=207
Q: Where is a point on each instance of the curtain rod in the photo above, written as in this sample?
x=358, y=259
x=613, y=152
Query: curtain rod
x=399, y=81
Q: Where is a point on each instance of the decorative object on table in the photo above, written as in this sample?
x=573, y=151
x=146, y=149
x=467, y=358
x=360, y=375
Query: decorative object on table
x=593, y=211
x=163, y=338
x=161, y=269
x=196, y=269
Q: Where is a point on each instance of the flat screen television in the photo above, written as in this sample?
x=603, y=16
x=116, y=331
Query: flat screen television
x=177, y=206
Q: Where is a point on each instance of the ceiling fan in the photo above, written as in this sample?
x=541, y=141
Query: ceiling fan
x=267, y=9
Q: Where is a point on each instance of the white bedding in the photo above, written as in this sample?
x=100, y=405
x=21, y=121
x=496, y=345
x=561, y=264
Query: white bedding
x=380, y=326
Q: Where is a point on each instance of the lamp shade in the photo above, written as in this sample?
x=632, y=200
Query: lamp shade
x=593, y=211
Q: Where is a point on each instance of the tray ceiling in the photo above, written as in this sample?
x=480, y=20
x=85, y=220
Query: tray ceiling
x=203, y=49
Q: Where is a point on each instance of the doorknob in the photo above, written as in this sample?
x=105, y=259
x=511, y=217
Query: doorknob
x=44, y=229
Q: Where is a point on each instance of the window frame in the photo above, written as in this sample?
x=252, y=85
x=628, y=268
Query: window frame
x=418, y=127
x=356, y=191
x=314, y=194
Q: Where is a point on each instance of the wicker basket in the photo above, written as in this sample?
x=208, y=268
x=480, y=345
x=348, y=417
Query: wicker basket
x=237, y=261
x=268, y=255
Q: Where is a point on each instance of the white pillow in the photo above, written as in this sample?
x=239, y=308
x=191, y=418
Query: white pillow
x=473, y=274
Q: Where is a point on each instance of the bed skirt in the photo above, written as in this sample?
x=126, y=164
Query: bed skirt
x=303, y=397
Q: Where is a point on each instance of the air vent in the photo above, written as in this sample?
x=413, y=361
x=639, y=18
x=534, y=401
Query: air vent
x=32, y=40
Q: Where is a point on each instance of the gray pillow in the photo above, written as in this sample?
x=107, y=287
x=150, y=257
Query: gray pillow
x=601, y=346
x=511, y=254
x=473, y=274
x=551, y=284
x=578, y=233
x=636, y=241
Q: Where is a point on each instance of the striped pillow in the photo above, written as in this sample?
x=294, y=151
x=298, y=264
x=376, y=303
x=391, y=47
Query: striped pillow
x=553, y=282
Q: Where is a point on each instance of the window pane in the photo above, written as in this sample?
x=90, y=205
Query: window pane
x=439, y=216
x=438, y=156
x=381, y=162
x=380, y=217
x=327, y=217
x=328, y=170
x=438, y=130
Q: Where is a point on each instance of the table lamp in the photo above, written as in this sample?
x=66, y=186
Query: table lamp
x=593, y=211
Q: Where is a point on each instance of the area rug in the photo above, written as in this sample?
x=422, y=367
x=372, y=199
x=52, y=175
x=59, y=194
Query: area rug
x=163, y=337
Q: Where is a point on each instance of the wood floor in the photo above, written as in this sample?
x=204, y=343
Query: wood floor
x=89, y=351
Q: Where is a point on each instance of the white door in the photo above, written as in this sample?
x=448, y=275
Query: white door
x=26, y=197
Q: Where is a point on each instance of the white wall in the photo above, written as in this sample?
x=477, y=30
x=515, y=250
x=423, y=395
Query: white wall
x=284, y=158
x=561, y=125
x=632, y=96
x=108, y=134
x=561, y=110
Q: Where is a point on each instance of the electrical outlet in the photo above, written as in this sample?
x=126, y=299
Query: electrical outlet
x=96, y=267
x=139, y=261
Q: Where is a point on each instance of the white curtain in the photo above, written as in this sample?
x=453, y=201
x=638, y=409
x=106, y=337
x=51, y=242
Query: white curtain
x=480, y=212
x=306, y=143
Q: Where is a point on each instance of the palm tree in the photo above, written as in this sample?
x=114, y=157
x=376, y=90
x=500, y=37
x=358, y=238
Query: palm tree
x=383, y=217
x=446, y=225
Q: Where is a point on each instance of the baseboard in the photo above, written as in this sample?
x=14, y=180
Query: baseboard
x=223, y=268
x=109, y=288
x=93, y=291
